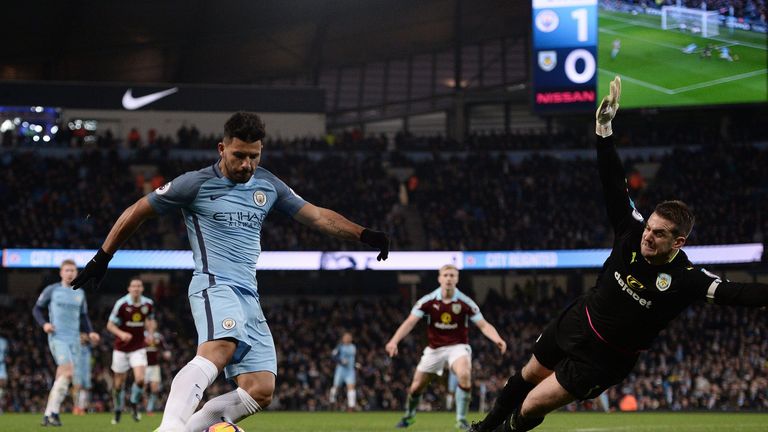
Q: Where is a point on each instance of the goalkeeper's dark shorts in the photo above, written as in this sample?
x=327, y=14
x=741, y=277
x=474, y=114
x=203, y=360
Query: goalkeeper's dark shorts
x=584, y=365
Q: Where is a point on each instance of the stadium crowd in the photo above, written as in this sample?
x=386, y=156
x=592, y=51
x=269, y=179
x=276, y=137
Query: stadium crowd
x=538, y=201
x=712, y=358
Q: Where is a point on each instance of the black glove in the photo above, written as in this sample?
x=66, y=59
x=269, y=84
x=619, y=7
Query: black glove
x=378, y=240
x=93, y=272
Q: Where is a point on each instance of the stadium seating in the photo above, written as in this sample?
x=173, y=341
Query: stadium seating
x=462, y=199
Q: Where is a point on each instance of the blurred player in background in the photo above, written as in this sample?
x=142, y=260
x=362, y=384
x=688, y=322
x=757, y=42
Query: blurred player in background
x=344, y=356
x=155, y=349
x=3, y=370
x=644, y=284
x=448, y=313
x=224, y=206
x=725, y=53
x=615, y=48
x=132, y=315
x=81, y=383
x=450, y=389
x=67, y=316
x=603, y=402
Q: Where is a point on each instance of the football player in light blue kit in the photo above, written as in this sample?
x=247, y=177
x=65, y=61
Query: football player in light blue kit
x=344, y=355
x=451, y=385
x=81, y=380
x=3, y=371
x=224, y=206
x=67, y=317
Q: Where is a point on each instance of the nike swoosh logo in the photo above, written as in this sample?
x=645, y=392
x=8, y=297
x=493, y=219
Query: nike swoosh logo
x=215, y=197
x=133, y=103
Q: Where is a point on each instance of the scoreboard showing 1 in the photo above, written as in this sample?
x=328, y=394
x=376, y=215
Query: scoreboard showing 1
x=564, y=55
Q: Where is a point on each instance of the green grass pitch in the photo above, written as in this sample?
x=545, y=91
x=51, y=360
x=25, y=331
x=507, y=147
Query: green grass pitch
x=655, y=72
x=425, y=422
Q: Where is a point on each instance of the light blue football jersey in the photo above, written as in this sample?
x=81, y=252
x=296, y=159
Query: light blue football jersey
x=3, y=349
x=65, y=307
x=345, y=355
x=224, y=221
x=3, y=355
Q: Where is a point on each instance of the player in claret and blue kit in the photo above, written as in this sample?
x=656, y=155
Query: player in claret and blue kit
x=131, y=316
x=448, y=312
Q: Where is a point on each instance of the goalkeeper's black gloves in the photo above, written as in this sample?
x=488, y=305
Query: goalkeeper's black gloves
x=378, y=240
x=607, y=109
x=93, y=272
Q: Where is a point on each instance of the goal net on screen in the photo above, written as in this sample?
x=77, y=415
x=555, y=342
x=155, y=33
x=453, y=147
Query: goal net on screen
x=705, y=23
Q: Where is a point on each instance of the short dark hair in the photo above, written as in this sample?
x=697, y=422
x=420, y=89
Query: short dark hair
x=245, y=126
x=678, y=213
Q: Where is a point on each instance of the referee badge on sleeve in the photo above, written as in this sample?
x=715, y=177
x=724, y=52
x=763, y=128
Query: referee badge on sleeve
x=663, y=281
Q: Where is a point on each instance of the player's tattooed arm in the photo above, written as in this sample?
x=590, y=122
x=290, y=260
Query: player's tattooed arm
x=334, y=228
x=335, y=225
x=128, y=222
x=328, y=222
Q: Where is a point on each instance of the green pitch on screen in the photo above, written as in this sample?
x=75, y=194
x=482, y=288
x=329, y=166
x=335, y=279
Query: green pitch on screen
x=425, y=422
x=655, y=72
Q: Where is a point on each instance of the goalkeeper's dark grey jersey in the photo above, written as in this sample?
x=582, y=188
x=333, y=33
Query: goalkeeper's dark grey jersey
x=634, y=300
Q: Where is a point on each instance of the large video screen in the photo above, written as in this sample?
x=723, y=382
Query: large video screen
x=682, y=55
x=667, y=53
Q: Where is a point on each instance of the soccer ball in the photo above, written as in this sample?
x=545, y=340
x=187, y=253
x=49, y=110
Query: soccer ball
x=225, y=427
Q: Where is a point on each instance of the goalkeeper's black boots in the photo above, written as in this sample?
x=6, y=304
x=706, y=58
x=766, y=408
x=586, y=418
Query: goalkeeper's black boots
x=513, y=423
x=480, y=427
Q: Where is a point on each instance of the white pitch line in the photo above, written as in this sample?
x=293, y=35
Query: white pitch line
x=646, y=84
x=719, y=81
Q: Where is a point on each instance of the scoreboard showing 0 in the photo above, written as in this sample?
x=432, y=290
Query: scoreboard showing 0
x=564, y=55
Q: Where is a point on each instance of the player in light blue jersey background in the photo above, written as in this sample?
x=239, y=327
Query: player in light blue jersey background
x=67, y=316
x=3, y=371
x=344, y=356
x=224, y=206
x=450, y=387
x=81, y=379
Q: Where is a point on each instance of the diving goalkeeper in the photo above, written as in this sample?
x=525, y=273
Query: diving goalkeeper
x=644, y=284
